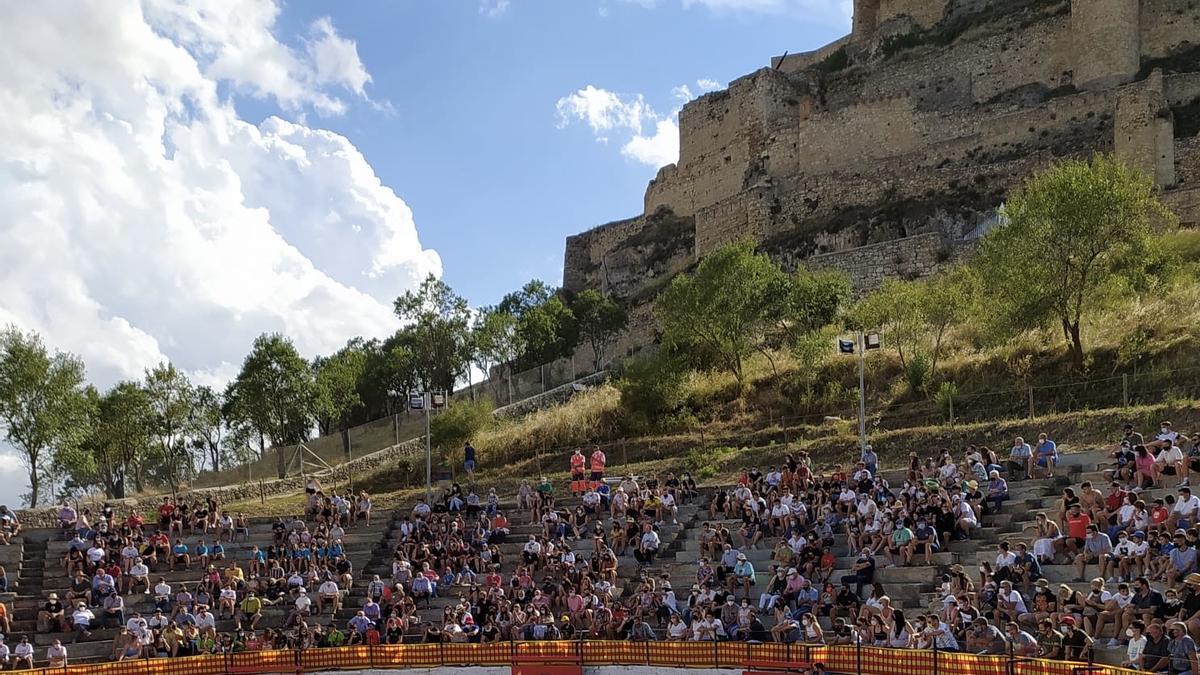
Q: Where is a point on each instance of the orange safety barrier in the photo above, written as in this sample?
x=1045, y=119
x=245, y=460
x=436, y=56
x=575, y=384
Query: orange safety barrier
x=733, y=655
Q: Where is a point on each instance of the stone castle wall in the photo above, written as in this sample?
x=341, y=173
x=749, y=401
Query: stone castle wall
x=909, y=131
x=908, y=258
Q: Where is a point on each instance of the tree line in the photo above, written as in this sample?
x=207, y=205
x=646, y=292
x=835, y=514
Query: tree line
x=160, y=431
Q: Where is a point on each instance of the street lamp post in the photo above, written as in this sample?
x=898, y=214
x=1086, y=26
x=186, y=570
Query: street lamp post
x=427, y=401
x=422, y=401
x=862, y=393
x=861, y=343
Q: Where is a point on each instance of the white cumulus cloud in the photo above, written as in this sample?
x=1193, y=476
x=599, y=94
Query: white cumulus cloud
x=494, y=8
x=145, y=220
x=650, y=137
x=336, y=59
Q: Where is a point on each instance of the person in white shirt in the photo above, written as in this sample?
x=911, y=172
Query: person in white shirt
x=1137, y=644
x=797, y=542
x=531, y=552
x=303, y=602
x=1122, y=556
x=1005, y=557
x=158, y=621
x=1165, y=435
x=1170, y=461
x=56, y=654
x=206, y=623
x=138, y=575
x=23, y=653
x=676, y=629
x=1113, y=610
x=1187, y=506
x=162, y=595
x=95, y=554
x=81, y=621
x=668, y=508
x=1009, y=604
x=647, y=546
x=4, y=653
x=328, y=594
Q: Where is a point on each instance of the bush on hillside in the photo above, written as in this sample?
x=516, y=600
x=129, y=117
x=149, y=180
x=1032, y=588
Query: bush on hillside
x=650, y=387
x=460, y=423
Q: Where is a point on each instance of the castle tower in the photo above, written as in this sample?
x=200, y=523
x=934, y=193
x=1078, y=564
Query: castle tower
x=866, y=20
x=1145, y=130
x=1106, y=39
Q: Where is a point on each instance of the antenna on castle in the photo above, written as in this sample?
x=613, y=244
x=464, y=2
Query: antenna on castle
x=779, y=63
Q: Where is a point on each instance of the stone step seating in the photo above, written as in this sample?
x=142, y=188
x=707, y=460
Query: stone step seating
x=520, y=529
x=360, y=544
x=912, y=588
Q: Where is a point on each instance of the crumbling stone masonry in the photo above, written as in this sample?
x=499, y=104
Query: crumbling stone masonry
x=917, y=123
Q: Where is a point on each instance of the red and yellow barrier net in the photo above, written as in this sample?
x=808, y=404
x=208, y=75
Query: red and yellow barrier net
x=732, y=655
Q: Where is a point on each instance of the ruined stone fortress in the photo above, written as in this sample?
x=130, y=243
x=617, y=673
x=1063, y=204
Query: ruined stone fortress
x=886, y=152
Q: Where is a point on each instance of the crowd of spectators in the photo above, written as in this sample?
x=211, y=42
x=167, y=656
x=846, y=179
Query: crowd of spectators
x=1144, y=595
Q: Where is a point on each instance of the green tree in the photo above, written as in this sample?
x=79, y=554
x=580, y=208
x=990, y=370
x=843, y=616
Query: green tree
x=119, y=440
x=894, y=309
x=794, y=306
x=337, y=381
x=391, y=367
x=547, y=326
x=440, y=323
x=209, y=427
x=600, y=321
x=497, y=342
x=274, y=394
x=172, y=412
x=42, y=403
x=719, y=309
x=914, y=318
x=1069, y=233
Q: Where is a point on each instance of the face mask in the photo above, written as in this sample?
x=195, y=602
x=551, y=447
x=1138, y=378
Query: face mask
x=1128, y=632
x=1163, y=429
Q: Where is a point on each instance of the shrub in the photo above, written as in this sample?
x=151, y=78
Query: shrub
x=705, y=463
x=460, y=423
x=916, y=373
x=651, y=385
x=836, y=61
x=946, y=394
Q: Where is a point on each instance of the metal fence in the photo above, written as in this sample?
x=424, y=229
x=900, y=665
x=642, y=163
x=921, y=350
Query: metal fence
x=753, y=656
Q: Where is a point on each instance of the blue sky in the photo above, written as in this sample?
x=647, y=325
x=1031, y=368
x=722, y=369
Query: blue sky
x=474, y=144
x=181, y=176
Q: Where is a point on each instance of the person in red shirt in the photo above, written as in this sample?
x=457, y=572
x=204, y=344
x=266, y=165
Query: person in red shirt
x=1159, y=512
x=597, y=462
x=135, y=522
x=164, y=513
x=577, y=472
x=1077, y=524
x=1112, y=504
x=493, y=579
